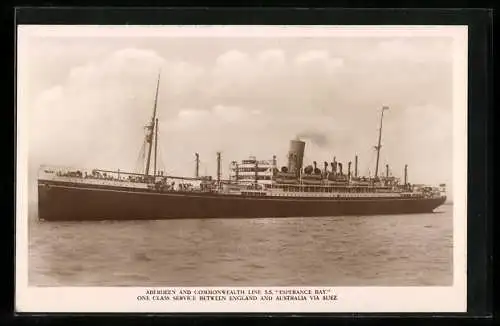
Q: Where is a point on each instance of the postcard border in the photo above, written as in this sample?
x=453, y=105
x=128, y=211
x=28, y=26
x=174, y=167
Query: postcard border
x=477, y=242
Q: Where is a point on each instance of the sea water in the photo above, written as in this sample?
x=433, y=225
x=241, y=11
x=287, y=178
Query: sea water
x=391, y=250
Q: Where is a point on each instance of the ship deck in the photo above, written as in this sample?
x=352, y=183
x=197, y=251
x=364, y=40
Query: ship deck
x=118, y=186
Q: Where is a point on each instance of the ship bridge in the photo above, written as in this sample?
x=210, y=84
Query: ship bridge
x=252, y=171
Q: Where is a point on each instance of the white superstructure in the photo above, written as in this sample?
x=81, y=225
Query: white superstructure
x=252, y=171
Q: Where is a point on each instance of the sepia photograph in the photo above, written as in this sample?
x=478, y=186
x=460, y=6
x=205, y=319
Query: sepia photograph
x=205, y=157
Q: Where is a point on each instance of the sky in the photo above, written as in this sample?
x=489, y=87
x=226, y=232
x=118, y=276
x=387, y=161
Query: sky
x=88, y=99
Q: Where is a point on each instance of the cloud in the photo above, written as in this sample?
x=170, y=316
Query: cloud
x=272, y=58
x=244, y=102
x=311, y=56
x=213, y=118
x=424, y=51
x=270, y=79
x=96, y=116
x=230, y=114
x=320, y=59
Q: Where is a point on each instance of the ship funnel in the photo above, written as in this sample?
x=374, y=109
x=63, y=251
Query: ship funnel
x=349, y=169
x=326, y=167
x=274, y=161
x=296, y=156
x=340, y=168
x=387, y=170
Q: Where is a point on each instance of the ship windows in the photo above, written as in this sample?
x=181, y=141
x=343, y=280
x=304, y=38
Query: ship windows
x=252, y=169
x=252, y=177
x=251, y=193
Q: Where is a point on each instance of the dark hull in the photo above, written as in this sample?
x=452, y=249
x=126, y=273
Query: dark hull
x=58, y=202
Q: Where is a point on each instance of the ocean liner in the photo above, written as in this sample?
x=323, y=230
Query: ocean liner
x=255, y=188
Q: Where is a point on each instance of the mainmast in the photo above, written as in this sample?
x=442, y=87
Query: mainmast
x=156, y=147
x=151, y=128
x=379, y=145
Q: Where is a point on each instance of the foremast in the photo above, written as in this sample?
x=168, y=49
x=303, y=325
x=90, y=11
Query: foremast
x=379, y=144
x=152, y=131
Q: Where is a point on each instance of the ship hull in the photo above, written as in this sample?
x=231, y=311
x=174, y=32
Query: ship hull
x=63, y=202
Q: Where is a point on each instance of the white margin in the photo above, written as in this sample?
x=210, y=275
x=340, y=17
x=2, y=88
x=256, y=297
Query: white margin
x=351, y=299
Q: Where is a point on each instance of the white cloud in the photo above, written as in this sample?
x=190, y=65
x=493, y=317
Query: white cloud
x=311, y=56
x=272, y=57
x=268, y=80
x=97, y=115
x=438, y=50
x=230, y=113
x=190, y=115
x=319, y=59
x=242, y=103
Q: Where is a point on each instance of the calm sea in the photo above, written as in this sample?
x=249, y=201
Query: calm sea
x=399, y=250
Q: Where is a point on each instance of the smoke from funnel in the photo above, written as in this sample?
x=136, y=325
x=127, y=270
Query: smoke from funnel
x=296, y=155
x=315, y=137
